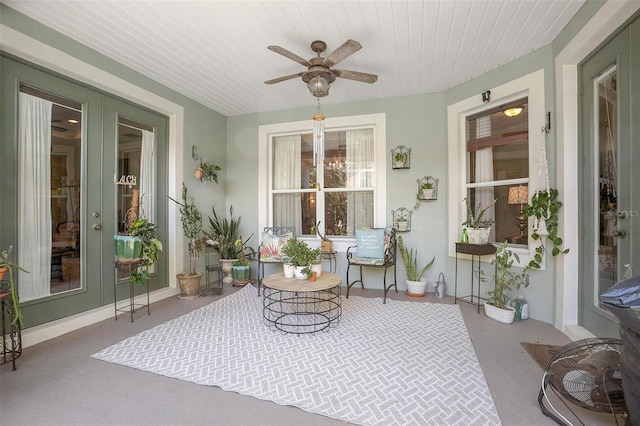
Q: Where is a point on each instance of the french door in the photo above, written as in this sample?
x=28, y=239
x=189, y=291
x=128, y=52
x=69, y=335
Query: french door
x=62, y=146
x=610, y=154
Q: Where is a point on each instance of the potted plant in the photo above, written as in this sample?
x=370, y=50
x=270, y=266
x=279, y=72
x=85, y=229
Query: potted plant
x=325, y=243
x=241, y=269
x=544, y=207
x=208, y=172
x=505, y=279
x=400, y=159
x=191, y=228
x=223, y=236
x=416, y=285
x=8, y=266
x=139, y=243
x=478, y=228
x=301, y=256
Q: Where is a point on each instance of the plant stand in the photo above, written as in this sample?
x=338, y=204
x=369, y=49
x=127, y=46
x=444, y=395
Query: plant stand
x=132, y=306
x=476, y=251
x=11, y=333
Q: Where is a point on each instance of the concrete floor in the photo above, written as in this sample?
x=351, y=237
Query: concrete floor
x=57, y=383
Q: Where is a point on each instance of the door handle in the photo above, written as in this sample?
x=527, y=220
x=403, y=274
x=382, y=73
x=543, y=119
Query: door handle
x=619, y=234
x=97, y=227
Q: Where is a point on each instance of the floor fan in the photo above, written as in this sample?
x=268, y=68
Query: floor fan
x=585, y=373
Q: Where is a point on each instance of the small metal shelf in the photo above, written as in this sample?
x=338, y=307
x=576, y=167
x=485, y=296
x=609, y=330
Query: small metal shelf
x=402, y=219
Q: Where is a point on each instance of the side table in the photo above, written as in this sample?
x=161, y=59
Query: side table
x=476, y=251
x=11, y=333
x=331, y=257
x=132, y=306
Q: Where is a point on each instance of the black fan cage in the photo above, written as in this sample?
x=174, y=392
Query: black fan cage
x=588, y=374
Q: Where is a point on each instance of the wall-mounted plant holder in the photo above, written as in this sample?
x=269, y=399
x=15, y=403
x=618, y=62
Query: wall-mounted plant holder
x=427, y=188
x=204, y=171
x=401, y=157
x=402, y=219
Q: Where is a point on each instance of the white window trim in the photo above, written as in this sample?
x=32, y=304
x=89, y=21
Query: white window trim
x=530, y=85
x=266, y=133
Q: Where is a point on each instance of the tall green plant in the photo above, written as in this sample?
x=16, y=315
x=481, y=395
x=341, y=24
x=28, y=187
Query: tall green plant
x=505, y=278
x=475, y=217
x=151, y=248
x=191, y=226
x=225, y=234
x=411, y=262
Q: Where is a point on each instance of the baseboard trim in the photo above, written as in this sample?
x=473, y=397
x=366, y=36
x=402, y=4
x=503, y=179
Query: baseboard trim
x=50, y=330
x=576, y=332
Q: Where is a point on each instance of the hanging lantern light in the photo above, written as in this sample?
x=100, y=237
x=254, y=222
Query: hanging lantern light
x=318, y=135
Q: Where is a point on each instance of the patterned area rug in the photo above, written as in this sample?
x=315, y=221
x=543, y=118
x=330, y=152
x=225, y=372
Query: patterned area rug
x=403, y=363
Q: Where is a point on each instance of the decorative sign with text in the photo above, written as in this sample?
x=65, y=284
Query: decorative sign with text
x=128, y=180
x=370, y=243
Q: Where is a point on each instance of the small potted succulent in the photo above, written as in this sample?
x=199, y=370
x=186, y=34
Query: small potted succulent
x=325, y=243
x=478, y=228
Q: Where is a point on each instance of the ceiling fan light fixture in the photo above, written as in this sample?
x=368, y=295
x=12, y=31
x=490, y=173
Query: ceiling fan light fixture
x=513, y=111
x=319, y=86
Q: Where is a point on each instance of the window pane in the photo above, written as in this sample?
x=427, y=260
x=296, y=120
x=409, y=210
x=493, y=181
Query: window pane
x=498, y=150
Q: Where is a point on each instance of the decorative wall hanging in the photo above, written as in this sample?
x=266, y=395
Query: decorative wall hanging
x=402, y=219
x=401, y=157
x=206, y=171
x=427, y=190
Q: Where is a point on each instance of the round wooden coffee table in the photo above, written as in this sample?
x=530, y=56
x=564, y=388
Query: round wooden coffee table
x=302, y=306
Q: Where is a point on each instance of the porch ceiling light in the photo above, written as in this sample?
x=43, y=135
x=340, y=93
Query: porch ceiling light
x=513, y=111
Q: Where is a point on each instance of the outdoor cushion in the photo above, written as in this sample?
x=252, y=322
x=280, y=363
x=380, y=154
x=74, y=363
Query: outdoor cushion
x=271, y=247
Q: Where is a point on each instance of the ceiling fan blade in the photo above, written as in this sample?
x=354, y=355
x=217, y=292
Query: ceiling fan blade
x=355, y=75
x=284, y=78
x=290, y=55
x=348, y=48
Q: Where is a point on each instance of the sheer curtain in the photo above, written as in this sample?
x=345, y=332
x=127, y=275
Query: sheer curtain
x=287, y=171
x=147, y=174
x=34, y=199
x=359, y=174
x=484, y=171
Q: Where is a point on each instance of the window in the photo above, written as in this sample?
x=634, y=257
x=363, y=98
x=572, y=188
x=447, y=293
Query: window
x=344, y=192
x=495, y=156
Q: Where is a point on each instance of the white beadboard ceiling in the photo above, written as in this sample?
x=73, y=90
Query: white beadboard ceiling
x=216, y=51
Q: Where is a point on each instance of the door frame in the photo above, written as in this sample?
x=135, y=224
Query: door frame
x=51, y=58
x=605, y=22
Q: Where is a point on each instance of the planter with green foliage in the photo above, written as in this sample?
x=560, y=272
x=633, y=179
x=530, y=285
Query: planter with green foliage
x=416, y=285
x=7, y=266
x=301, y=256
x=145, y=247
x=191, y=228
x=544, y=207
x=478, y=228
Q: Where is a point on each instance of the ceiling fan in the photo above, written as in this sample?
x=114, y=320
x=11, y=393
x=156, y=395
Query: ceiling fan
x=319, y=74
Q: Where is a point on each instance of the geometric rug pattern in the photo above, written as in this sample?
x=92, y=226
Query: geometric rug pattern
x=399, y=363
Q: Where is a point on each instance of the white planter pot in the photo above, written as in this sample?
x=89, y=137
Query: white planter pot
x=416, y=288
x=505, y=316
x=317, y=268
x=227, y=267
x=402, y=225
x=428, y=194
x=288, y=270
x=478, y=235
x=297, y=272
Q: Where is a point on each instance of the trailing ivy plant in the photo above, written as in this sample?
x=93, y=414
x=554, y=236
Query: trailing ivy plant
x=545, y=205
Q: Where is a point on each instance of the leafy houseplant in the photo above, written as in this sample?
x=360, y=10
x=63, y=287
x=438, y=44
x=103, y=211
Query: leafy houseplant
x=147, y=232
x=505, y=280
x=544, y=206
x=208, y=172
x=414, y=274
x=191, y=228
x=301, y=256
x=224, y=234
x=400, y=159
x=425, y=192
x=478, y=228
x=7, y=265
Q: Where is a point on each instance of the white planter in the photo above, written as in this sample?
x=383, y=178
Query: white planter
x=403, y=225
x=288, y=270
x=428, y=194
x=299, y=274
x=505, y=316
x=227, y=267
x=317, y=268
x=416, y=288
x=478, y=235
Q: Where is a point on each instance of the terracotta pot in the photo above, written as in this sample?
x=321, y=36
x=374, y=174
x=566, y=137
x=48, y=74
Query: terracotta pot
x=3, y=270
x=199, y=173
x=189, y=285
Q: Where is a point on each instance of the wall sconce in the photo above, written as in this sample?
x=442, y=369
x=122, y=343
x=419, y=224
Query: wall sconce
x=486, y=96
